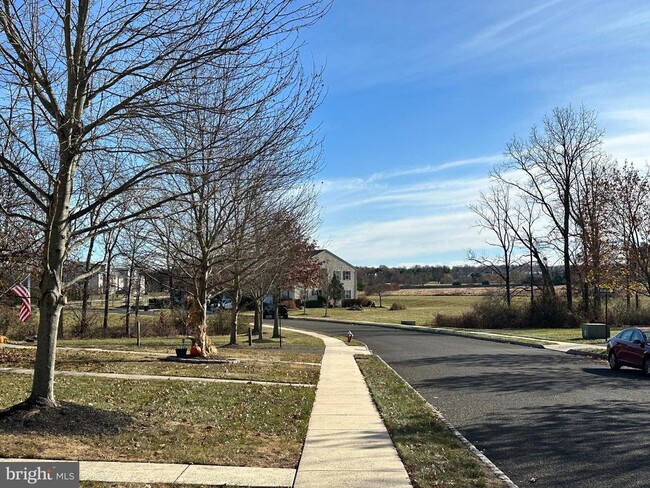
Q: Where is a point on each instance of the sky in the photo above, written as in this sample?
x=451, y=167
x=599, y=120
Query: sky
x=421, y=97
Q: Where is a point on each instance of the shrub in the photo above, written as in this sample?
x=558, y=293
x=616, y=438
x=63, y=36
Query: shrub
x=494, y=313
x=290, y=304
x=467, y=320
x=456, y=283
x=298, y=302
x=356, y=302
x=13, y=328
x=159, y=302
x=397, y=306
x=219, y=323
x=166, y=325
x=318, y=303
x=485, y=283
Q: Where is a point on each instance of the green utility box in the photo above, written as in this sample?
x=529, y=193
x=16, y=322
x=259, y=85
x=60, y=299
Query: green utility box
x=595, y=331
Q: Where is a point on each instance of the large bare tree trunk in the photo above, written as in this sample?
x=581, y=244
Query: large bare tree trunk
x=51, y=287
x=198, y=315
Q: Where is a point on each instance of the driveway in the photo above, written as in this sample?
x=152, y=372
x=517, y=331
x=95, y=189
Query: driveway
x=563, y=420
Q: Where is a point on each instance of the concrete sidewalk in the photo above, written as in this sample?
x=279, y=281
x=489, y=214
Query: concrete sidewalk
x=188, y=474
x=347, y=443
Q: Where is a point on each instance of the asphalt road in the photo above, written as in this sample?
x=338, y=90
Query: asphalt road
x=567, y=421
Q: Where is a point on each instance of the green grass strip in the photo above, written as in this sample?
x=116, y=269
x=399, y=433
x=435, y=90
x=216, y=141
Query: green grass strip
x=431, y=453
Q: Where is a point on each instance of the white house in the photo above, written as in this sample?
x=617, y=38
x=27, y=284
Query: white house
x=332, y=264
x=118, y=281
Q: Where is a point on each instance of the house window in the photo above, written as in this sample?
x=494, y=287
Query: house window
x=346, y=275
x=337, y=274
x=348, y=294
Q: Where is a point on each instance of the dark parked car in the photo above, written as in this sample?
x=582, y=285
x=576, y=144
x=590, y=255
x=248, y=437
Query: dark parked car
x=630, y=347
x=269, y=311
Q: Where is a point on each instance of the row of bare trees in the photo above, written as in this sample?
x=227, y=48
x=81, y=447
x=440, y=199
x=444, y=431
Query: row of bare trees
x=194, y=114
x=560, y=199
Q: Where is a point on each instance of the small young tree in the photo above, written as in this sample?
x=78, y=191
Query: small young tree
x=335, y=289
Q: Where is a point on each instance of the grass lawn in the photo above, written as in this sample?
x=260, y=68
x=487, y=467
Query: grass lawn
x=421, y=309
x=161, y=421
x=431, y=454
x=146, y=364
x=295, y=347
x=561, y=335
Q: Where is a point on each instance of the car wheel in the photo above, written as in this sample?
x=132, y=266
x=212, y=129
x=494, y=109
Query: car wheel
x=646, y=365
x=613, y=362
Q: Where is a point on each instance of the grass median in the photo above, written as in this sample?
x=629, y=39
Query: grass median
x=146, y=364
x=432, y=455
x=547, y=334
x=295, y=347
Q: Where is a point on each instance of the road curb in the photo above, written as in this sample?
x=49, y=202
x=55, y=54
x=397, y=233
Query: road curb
x=482, y=457
x=593, y=355
x=427, y=330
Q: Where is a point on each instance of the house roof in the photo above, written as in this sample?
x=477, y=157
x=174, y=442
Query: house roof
x=318, y=251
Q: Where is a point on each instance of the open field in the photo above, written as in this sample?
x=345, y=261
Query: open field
x=447, y=290
x=420, y=308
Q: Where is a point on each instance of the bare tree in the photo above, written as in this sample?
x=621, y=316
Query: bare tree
x=525, y=221
x=133, y=250
x=79, y=77
x=240, y=156
x=549, y=162
x=494, y=215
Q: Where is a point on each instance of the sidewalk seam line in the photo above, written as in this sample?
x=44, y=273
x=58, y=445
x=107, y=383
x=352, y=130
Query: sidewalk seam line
x=187, y=466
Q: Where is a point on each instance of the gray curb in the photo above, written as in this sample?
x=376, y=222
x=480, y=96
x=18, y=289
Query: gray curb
x=427, y=330
x=482, y=457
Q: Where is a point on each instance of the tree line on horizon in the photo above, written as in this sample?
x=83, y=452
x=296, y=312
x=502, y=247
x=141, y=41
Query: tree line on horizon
x=420, y=275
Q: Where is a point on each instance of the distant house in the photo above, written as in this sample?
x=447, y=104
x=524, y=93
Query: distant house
x=331, y=264
x=118, y=281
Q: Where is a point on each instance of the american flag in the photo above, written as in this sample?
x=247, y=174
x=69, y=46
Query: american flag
x=21, y=290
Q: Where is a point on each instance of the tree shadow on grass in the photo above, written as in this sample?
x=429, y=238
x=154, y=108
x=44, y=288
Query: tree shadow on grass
x=65, y=419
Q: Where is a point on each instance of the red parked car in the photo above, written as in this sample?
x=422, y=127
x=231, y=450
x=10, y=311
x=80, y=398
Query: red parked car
x=630, y=347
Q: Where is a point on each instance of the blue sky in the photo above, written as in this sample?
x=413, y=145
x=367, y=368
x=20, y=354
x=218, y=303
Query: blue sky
x=423, y=95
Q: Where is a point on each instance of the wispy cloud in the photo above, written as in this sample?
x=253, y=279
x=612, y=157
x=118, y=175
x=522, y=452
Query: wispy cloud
x=406, y=215
x=429, y=169
x=511, y=29
x=404, y=239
